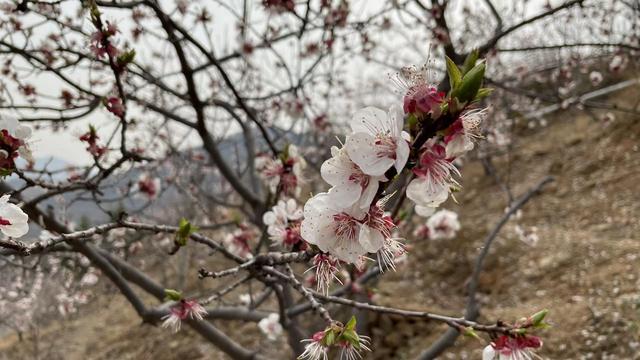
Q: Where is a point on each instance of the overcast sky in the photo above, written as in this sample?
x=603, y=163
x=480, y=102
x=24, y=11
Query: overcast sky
x=64, y=145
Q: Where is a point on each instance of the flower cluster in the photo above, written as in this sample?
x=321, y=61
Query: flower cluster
x=149, y=186
x=13, y=143
x=284, y=173
x=434, y=169
x=512, y=348
x=101, y=45
x=426, y=135
x=238, y=241
x=91, y=138
x=343, y=337
x=283, y=224
x=346, y=221
x=182, y=310
x=114, y=106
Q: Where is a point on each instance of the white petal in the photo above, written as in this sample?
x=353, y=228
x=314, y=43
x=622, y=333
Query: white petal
x=345, y=195
x=368, y=194
x=405, y=135
x=336, y=170
x=370, y=239
x=424, y=194
x=9, y=123
x=318, y=227
x=18, y=219
x=458, y=146
x=489, y=353
x=425, y=211
x=363, y=151
x=402, y=155
x=396, y=118
x=23, y=132
x=348, y=250
x=269, y=218
x=15, y=230
x=370, y=120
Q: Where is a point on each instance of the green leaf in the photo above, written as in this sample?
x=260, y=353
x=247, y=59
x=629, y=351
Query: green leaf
x=126, y=57
x=412, y=120
x=351, y=337
x=455, y=76
x=351, y=324
x=329, y=338
x=468, y=331
x=171, y=294
x=470, y=61
x=483, y=93
x=185, y=229
x=471, y=83
x=537, y=318
x=5, y=172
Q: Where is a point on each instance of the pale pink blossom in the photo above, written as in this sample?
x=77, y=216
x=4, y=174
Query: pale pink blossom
x=392, y=248
x=182, y=310
x=270, y=326
x=283, y=173
x=443, y=224
x=595, y=77
x=13, y=141
x=149, y=186
x=462, y=132
x=420, y=94
x=433, y=179
x=101, y=44
x=618, y=63
x=314, y=349
x=238, y=241
x=283, y=223
x=527, y=236
x=114, y=106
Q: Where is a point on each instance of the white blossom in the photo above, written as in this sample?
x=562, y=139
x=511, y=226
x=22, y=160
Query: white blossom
x=350, y=184
x=378, y=141
x=339, y=231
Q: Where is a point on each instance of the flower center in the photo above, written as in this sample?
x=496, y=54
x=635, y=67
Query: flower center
x=434, y=165
x=289, y=181
x=4, y=221
x=379, y=221
x=358, y=177
x=386, y=146
x=345, y=226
